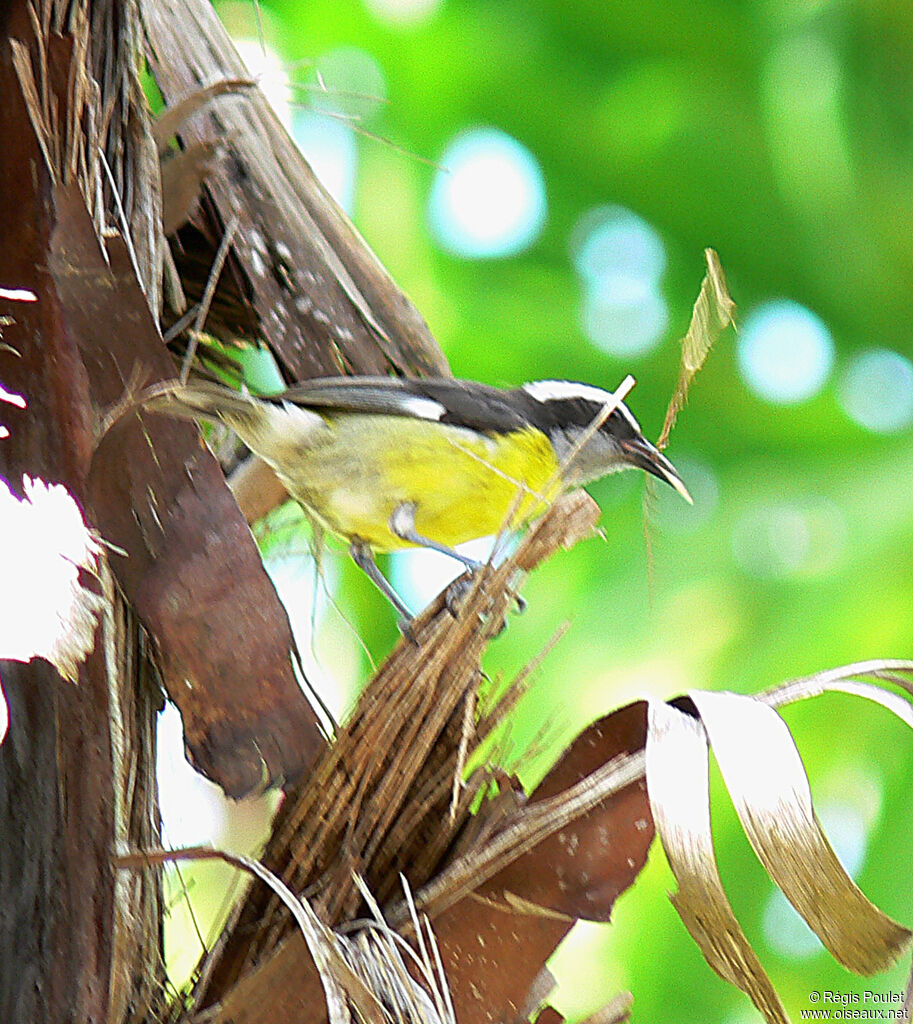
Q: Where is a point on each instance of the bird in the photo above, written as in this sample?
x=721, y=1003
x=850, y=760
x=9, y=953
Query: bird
x=387, y=463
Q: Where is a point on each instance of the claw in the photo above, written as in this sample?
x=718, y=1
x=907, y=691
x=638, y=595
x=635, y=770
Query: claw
x=455, y=593
x=405, y=626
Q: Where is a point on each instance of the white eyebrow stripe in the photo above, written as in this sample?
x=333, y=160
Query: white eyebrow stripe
x=629, y=416
x=549, y=390
x=552, y=390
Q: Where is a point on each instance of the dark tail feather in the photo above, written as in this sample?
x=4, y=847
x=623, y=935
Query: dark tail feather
x=200, y=399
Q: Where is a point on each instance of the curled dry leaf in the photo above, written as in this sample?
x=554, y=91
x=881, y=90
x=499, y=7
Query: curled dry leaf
x=767, y=782
x=185, y=556
x=846, y=679
x=679, y=787
x=713, y=312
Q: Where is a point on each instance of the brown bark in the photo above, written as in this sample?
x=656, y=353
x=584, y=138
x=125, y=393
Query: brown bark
x=302, y=279
x=79, y=942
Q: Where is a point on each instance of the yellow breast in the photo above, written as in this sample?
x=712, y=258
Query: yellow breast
x=461, y=484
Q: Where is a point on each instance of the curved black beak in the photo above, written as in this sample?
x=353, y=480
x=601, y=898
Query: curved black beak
x=643, y=455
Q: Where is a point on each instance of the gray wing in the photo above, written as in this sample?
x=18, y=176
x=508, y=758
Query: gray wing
x=442, y=399
x=389, y=396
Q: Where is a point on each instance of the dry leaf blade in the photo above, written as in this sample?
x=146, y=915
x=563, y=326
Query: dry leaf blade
x=678, y=784
x=713, y=312
x=766, y=779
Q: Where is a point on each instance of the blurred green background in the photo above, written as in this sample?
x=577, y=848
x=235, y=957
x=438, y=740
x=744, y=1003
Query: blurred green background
x=541, y=177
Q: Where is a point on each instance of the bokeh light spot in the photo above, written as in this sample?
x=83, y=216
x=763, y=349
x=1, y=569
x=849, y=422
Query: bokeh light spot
x=673, y=514
x=404, y=12
x=329, y=147
x=789, y=538
x=624, y=316
x=877, y=390
x=612, y=242
x=785, y=352
x=489, y=197
x=350, y=82
x=620, y=259
x=786, y=932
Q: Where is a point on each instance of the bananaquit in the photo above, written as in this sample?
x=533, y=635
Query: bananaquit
x=389, y=463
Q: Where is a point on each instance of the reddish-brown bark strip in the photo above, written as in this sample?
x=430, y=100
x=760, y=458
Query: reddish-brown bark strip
x=192, y=569
x=495, y=942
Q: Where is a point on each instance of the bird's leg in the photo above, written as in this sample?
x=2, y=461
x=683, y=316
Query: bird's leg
x=402, y=524
x=363, y=557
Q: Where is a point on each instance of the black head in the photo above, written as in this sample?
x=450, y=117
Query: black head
x=566, y=411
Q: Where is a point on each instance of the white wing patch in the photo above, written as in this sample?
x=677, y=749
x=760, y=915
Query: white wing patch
x=419, y=407
x=552, y=390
